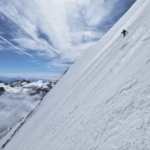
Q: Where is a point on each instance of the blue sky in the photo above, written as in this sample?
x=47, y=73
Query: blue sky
x=42, y=38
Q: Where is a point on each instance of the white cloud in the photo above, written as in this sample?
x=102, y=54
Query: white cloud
x=18, y=101
x=40, y=46
x=15, y=46
x=57, y=64
x=15, y=104
x=69, y=24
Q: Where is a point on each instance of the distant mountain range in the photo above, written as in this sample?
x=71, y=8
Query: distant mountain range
x=20, y=96
x=11, y=79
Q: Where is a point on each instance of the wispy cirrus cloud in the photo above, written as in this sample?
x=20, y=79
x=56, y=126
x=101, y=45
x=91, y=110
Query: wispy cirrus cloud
x=15, y=46
x=58, y=29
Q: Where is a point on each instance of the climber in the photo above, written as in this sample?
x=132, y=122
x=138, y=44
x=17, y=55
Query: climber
x=124, y=32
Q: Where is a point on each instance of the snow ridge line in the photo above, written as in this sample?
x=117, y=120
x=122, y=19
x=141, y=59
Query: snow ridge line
x=24, y=121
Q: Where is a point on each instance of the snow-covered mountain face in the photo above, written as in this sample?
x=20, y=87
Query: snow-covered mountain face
x=103, y=101
x=19, y=98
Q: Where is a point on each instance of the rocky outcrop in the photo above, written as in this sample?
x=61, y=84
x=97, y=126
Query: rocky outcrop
x=19, y=83
x=43, y=90
x=2, y=90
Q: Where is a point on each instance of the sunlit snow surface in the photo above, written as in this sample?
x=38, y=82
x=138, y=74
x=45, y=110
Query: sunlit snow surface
x=103, y=101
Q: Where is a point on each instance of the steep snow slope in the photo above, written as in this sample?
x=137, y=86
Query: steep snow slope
x=103, y=101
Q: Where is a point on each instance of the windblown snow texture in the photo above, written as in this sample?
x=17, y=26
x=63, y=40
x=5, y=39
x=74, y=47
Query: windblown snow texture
x=103, y=101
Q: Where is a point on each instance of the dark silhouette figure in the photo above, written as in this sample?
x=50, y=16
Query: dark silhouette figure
x=124, y=32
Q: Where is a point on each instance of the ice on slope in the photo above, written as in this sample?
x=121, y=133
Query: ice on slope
x=103, y=101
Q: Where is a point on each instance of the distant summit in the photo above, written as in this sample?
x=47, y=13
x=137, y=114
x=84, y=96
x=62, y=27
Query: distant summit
x=35, y=87
x=19, y=83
